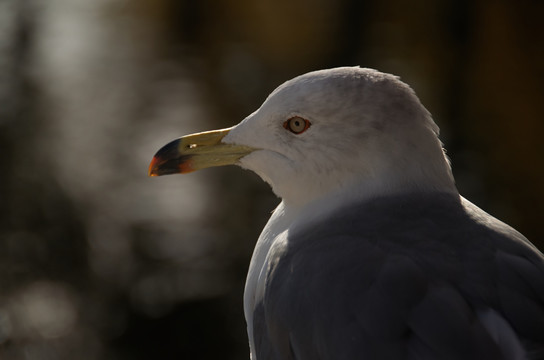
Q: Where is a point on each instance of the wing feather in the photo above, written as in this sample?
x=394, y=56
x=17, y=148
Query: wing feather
x=402, y=278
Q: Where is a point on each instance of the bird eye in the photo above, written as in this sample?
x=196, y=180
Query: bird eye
x=297, y=125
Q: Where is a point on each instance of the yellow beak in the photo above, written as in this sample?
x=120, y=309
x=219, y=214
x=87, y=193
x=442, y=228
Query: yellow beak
x=196, y=151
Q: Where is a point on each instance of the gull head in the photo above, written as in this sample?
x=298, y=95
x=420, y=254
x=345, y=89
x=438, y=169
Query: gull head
x=344, y=132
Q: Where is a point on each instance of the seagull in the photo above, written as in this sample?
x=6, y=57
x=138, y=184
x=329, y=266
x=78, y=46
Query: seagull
x=372, y=253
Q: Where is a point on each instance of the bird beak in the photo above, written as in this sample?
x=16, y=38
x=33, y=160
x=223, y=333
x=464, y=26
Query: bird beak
x=196, y=151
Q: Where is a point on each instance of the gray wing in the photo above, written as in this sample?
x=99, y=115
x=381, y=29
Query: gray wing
x=404, y=278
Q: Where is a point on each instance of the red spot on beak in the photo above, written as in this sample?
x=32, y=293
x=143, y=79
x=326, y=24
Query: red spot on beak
x=186, y=166
x=152, y=167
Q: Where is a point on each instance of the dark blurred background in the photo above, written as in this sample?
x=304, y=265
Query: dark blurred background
x=98, y=261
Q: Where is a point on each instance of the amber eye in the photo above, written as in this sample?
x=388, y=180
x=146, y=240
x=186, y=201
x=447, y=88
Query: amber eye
x=297, y=125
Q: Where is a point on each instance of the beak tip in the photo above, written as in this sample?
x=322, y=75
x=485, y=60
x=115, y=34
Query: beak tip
x=160, y=166
x=152, y=167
